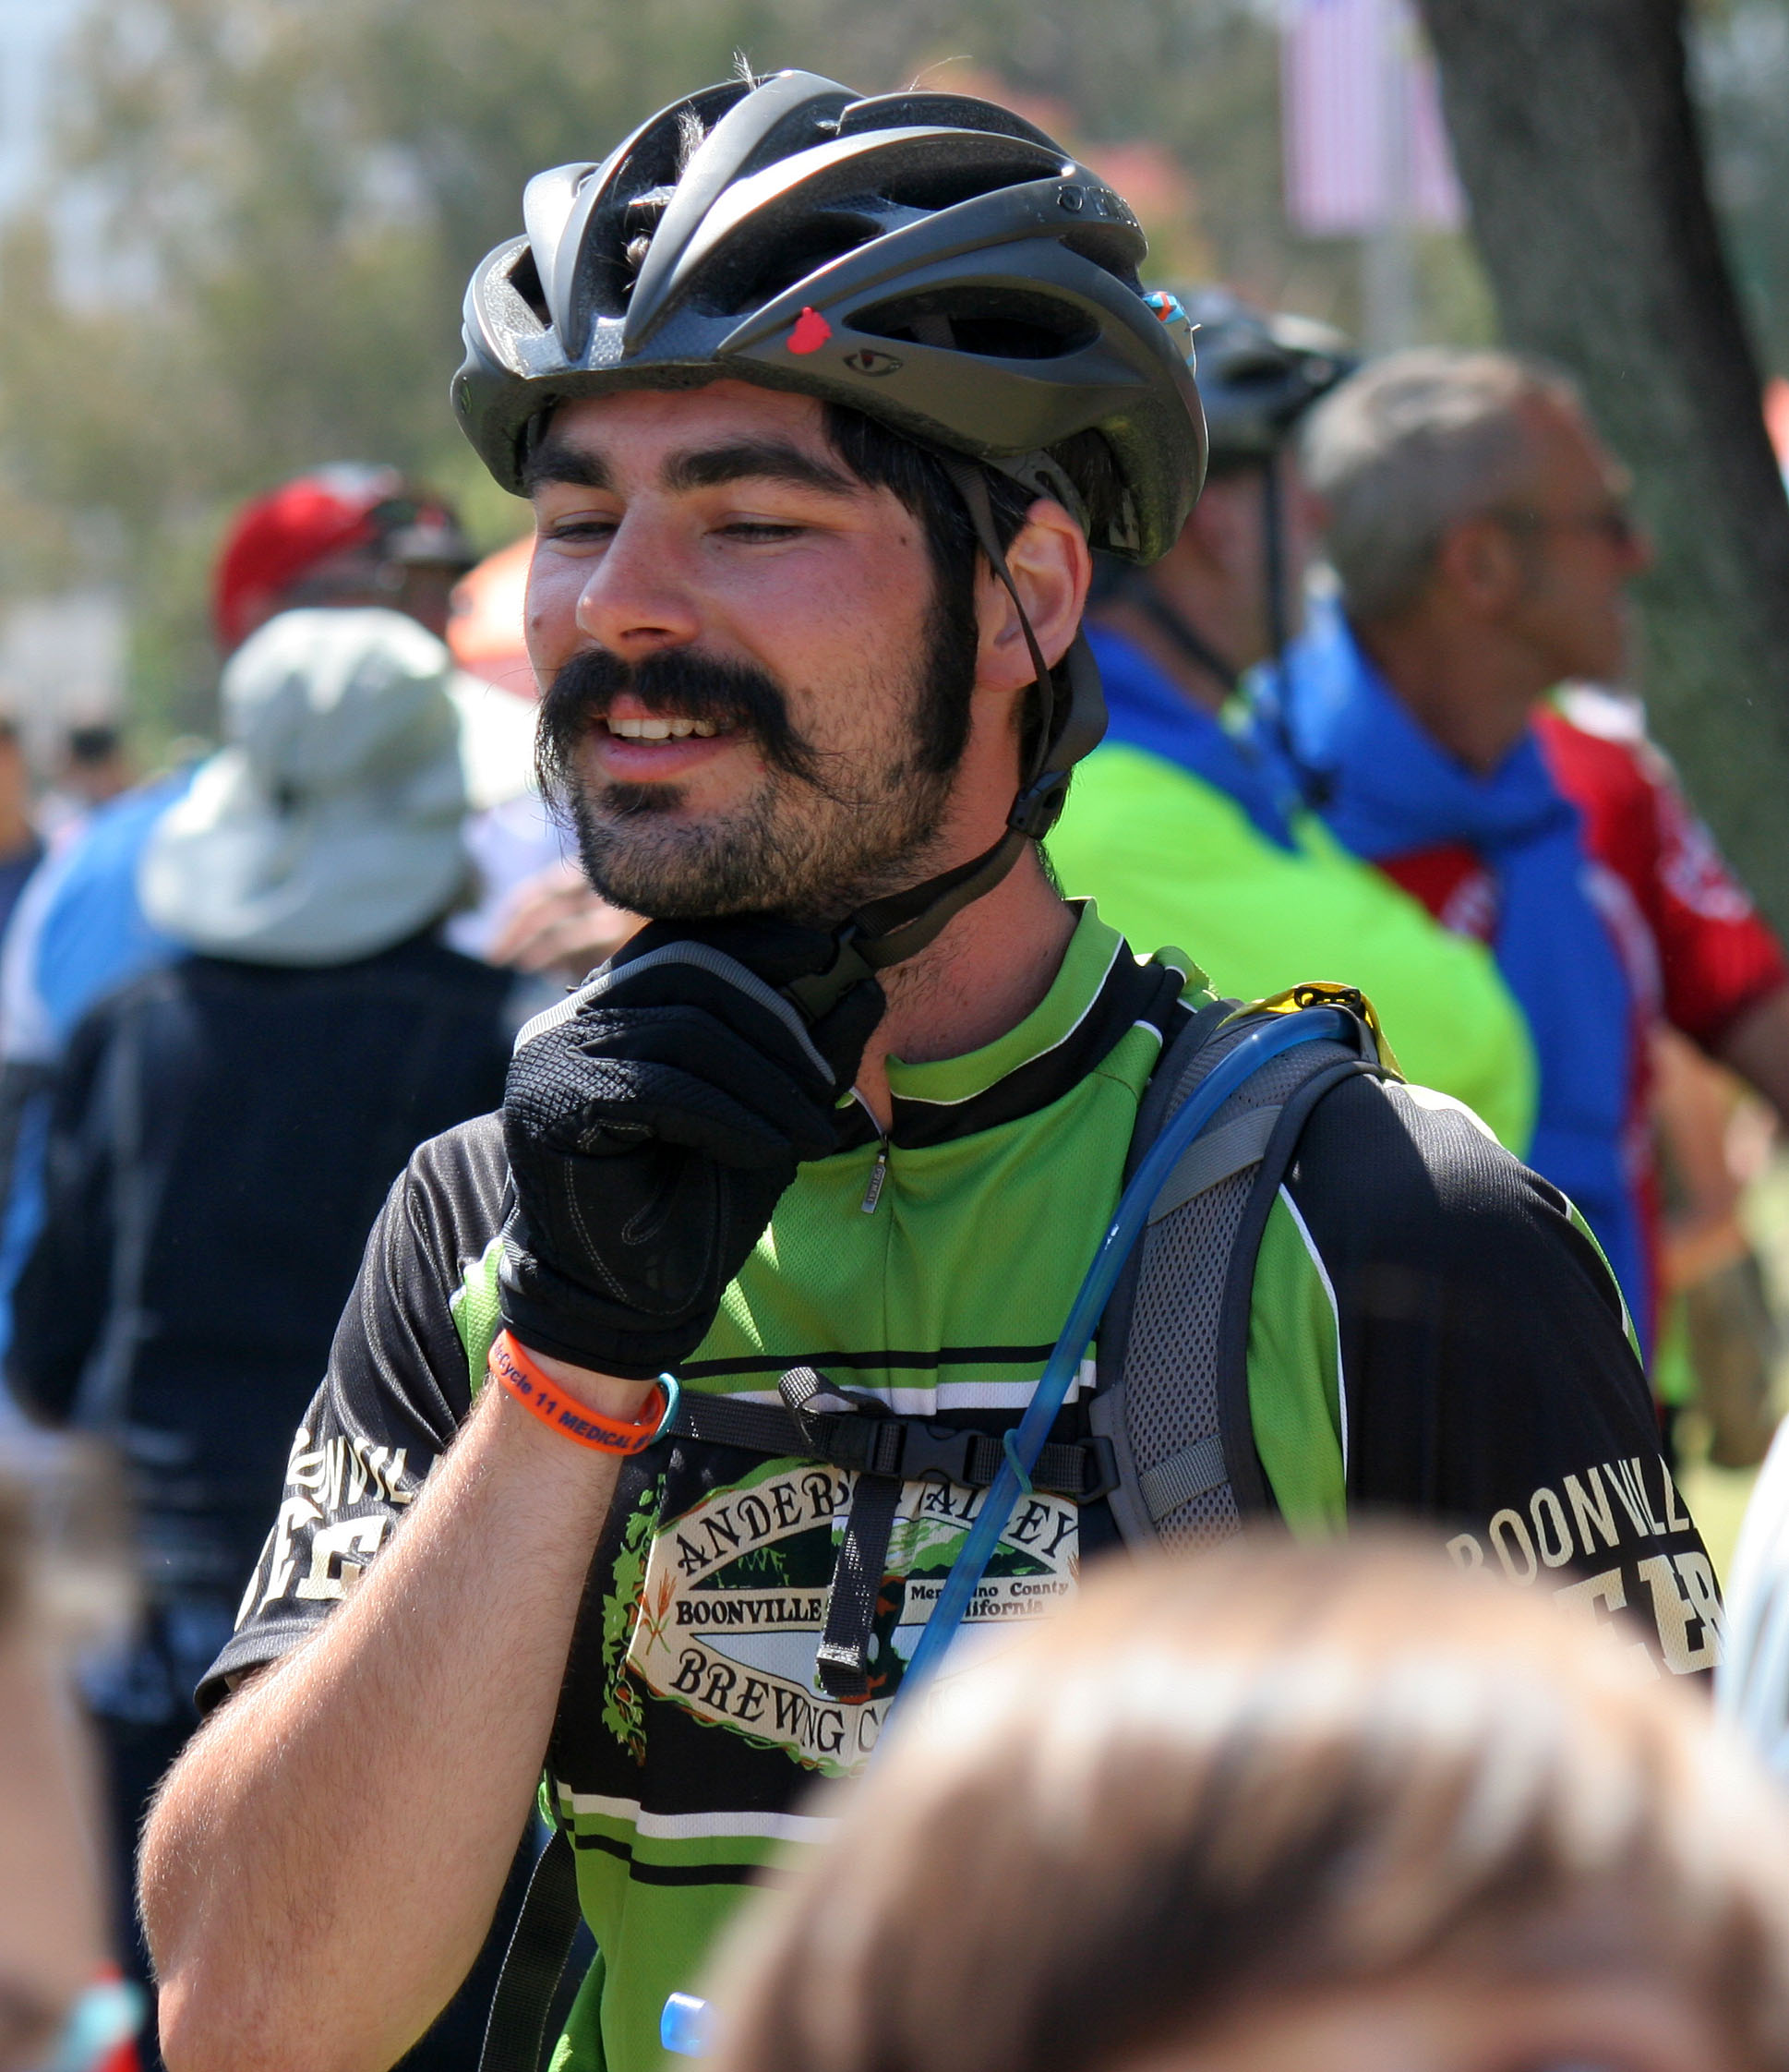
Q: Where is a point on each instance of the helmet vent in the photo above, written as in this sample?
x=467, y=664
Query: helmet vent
x=747, y=278
x=1001, y=325
x=639, y=220
x=525, y=278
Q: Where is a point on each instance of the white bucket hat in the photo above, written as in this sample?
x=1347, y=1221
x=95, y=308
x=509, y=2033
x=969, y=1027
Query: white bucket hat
x=328, y=828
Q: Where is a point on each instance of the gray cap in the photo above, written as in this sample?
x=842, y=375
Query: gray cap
x=328, y=828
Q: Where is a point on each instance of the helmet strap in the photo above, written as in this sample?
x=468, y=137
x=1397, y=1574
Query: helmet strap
x=1273, y=557
x=1136, y=589
x=889, y=931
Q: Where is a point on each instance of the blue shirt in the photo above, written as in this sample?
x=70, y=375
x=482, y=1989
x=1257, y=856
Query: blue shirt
x=1148, y=711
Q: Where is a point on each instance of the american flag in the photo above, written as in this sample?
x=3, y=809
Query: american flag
x=1361, y=121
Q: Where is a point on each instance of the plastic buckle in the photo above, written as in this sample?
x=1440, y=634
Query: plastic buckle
x=930, y=1450
x=819, y=992
x=1102, y=1464
x=1039, y=806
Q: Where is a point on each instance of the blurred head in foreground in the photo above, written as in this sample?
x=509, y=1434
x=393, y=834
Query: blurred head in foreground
x=1288, y=1811
x=63, y=1583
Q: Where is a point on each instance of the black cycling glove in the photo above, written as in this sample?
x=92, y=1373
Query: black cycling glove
x=653, y=1120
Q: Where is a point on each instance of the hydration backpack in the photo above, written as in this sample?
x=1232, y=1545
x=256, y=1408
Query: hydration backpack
x=1171, y=1443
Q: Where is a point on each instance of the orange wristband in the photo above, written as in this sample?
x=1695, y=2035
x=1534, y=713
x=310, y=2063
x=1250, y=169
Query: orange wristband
x=509, y=1365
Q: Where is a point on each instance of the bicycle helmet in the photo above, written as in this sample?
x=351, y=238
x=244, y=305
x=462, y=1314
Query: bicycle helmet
x=931, y=259
x=816, y=241
x=1259, y=373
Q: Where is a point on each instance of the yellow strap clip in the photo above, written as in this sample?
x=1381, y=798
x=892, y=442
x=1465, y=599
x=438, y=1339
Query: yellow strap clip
x=1316, y=992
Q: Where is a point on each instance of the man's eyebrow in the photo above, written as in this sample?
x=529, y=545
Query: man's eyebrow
x=762, y=460
x=557, y=462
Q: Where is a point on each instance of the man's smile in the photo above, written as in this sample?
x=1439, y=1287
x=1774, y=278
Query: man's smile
x=660, y=728
x=634, y=743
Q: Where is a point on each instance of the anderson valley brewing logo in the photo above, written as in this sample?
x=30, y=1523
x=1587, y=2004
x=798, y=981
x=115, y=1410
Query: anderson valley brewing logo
x=733, y=1601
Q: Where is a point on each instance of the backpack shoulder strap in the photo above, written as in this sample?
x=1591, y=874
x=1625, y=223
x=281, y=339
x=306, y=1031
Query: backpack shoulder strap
x=530, y=1990
x=1171, y=1375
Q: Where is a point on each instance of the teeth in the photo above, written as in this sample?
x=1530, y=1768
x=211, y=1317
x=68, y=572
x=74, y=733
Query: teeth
x=662, y=729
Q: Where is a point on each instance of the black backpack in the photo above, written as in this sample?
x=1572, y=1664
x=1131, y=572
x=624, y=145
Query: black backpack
x=1171, y=1445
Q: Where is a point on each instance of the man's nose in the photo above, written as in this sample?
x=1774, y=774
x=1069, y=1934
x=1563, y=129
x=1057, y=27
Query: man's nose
x=637, y=598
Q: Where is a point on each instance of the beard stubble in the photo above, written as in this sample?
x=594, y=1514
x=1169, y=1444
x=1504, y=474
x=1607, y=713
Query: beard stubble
x=822, y=833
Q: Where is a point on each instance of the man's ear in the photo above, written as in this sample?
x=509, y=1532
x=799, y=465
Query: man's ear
x=1051, y=568
x=1482, y=563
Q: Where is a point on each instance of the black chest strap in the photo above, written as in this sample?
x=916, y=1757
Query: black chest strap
x=818, y=1421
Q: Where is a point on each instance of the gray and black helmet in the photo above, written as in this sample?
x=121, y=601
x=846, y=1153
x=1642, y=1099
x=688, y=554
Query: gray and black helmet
x=929, y=259
x=1259, y=373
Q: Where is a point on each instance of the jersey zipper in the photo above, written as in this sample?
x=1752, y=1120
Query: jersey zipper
x=872, y=1192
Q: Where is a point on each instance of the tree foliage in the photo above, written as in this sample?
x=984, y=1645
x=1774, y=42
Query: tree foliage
x=1630, y=289
x=251, y=254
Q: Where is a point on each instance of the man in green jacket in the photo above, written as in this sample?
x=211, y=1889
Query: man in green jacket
x=1185, y=832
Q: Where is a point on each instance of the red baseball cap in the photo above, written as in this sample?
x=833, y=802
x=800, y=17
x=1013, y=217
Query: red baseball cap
x=278, y=537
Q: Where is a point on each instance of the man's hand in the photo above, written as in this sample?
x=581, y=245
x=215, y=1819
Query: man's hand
x=652, y=1123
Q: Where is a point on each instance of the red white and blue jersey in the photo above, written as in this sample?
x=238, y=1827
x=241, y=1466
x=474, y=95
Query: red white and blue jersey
x=1693, y=948
x=1580, y=862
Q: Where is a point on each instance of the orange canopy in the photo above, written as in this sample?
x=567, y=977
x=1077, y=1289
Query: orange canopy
x=485, y=631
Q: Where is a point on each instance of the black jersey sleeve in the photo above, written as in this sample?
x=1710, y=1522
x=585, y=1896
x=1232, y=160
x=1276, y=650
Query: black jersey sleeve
x=396, y=1391
x=1490, y=1382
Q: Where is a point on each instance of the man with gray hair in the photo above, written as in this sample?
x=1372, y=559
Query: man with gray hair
x=1480, y=533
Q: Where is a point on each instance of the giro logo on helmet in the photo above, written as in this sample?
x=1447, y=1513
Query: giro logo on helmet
x=867, y=362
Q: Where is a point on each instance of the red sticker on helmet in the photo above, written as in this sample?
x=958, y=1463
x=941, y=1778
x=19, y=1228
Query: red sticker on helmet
x=811, y=331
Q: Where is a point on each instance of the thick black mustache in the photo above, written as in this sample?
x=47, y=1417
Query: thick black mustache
x=678, y=684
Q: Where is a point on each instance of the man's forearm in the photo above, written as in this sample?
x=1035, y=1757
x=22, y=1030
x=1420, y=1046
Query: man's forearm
x=324, y=1862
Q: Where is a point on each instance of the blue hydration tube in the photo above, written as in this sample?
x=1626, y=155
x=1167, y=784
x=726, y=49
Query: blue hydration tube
x=1309, y=1025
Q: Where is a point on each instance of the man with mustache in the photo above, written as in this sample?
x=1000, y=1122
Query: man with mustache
x=819, y=402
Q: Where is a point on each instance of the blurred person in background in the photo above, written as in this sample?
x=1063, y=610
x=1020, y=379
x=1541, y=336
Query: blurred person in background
x=537, y=914
x=92, y=768
x=1285, y=1808
x=224, y=1130
x=1185, y=830
x=341, y=537
x=1480, y=533
x=347, y=535
x=95, y=769
x=21, y=846
x=1719, y=1340
x=65, y=1584
x=77, y=931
